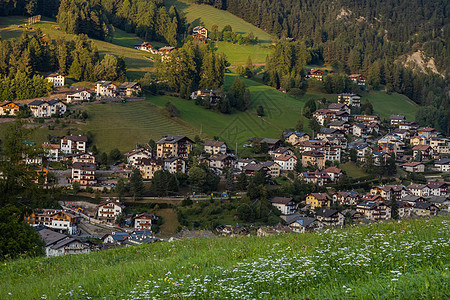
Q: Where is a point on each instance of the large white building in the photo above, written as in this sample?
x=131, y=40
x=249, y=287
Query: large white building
x=56, y=79
x=78, y=97
x=73, y=143
x=46, y=109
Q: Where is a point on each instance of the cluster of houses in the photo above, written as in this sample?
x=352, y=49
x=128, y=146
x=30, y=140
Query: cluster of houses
x=59, y=228
x=317, y=74
x=57, y=107
x=374, y=206
x=146, y=46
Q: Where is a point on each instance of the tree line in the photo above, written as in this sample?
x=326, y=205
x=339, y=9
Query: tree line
x=192, y=67
x=150, y=20
x=23, y=60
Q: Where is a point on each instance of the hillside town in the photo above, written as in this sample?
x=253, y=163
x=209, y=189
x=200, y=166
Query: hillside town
x=395, y=154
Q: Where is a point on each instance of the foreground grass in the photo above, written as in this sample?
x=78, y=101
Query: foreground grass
x=404, y=260
x=122, y=44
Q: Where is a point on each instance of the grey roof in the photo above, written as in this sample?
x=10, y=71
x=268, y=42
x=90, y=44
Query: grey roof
x=443, y=161
x=126, y=85
x=172, y=139
x=54, y=101
x=36, y=103
x=412, y=198
x=65, y=242
x=270, y=141
x=50, y=237
x=214, y=143
x=325, y=212
x=423, y=205
x=436, y=199
x=305, y=221
x=281, y=200
x=397, y=117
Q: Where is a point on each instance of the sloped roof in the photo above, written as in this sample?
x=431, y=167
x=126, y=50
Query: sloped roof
x=281, y=200
x=214, y=143
x=50, y=237
x=325, y=212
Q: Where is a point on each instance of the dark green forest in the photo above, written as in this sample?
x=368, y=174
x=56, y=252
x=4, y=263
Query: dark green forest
x=23, y=60
x=368, y=37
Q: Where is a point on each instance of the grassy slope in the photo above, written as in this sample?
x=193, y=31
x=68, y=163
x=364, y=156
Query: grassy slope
x=405, y=260
x=385, y=105
x=282, y=112
x=207, y=15
x=130, y=123
x=353, y=170
x=122, y=44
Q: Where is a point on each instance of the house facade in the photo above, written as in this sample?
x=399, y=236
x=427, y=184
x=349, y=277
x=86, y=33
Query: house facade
x=56, y=79
x=71, y=144
x=287, y=206
x=84, y=173
x=315, y=200
x=78, y=97
x=174, y=145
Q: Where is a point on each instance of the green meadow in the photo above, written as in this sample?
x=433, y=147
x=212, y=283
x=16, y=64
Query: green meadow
x=385, y=105
x=407, y=259
x=207, y=16
x=281, y=112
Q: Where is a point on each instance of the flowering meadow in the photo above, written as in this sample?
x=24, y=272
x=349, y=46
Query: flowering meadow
x=405, y=260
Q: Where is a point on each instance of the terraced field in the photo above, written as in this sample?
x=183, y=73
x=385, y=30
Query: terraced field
x=281, y=112
x=123, y=125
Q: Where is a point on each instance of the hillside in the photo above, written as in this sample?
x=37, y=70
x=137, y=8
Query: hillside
x=207, y=16
x=122, y=43
x=405, y=260
x=385, y=105
x=122, y=125
x=282, y=112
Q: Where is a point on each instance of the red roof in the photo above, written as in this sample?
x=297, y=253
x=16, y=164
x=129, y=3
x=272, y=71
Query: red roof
x=333, y=170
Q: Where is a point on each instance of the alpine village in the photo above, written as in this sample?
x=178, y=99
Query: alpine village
x=159, y=149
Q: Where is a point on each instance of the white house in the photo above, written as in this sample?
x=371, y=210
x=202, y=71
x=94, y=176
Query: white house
x=52, y=151
x=287, y=206
x=286, y=162
x=56, y=78
x=443, y=165
x=135, y=156
x=78, y=97
x=144, y=221
x=215, y=147
x=73, y=144
x=109, y=210
x=174, y=165
x=105, y=89
x=46, y=109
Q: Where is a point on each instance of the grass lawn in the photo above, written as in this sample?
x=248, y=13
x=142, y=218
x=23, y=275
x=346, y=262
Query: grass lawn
x=353, y=170
x=385, y=105
x=122, y=43
x=237, y=54
x=395, y=260
x=122, y=125
x=282, y=112
x=207, y=16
